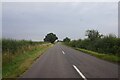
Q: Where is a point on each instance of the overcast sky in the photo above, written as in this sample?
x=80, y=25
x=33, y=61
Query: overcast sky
x=28, y=20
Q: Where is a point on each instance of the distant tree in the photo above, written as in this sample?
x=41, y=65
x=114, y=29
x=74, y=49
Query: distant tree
x=93, y=34
x=66, y=39
x=112, y=36
x=59, y=41
x=50, y=38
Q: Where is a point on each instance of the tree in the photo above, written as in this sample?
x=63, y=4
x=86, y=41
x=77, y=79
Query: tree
x=93, y=34
x=66, y=39
x=50, y=38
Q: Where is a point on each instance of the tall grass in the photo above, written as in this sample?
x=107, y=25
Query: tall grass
x=18, y=55
x=22, y=62
x=11, y=48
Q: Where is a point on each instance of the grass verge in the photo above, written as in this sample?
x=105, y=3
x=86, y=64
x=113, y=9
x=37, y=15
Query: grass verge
x=108, y=57
x=22, y=62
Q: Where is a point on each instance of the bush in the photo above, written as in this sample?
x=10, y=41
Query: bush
x=108, y=44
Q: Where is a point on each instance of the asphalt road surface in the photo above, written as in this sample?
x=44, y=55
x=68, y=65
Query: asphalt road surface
x=61, y=61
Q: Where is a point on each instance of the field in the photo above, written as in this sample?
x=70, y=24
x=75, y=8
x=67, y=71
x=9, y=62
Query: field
x=18, y=55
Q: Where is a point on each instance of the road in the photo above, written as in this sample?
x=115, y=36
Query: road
x=61, y=61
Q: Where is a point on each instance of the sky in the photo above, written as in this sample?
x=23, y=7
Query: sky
x=34, y=20
x=119, y=20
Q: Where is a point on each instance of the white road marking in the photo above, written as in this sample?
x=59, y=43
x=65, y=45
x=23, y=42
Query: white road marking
x=79, y=72
x=63, y=52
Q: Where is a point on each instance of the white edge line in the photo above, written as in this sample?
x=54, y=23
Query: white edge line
x=63, y=52
x=79, y=72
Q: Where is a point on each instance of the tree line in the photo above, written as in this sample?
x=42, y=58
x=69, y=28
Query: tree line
x=108, y=44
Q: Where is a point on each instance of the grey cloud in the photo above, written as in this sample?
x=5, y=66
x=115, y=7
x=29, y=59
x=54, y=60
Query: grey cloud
x=35, y=20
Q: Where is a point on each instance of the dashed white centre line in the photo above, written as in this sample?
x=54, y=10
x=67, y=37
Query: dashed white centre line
x=63, y=52
x=79, y=72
